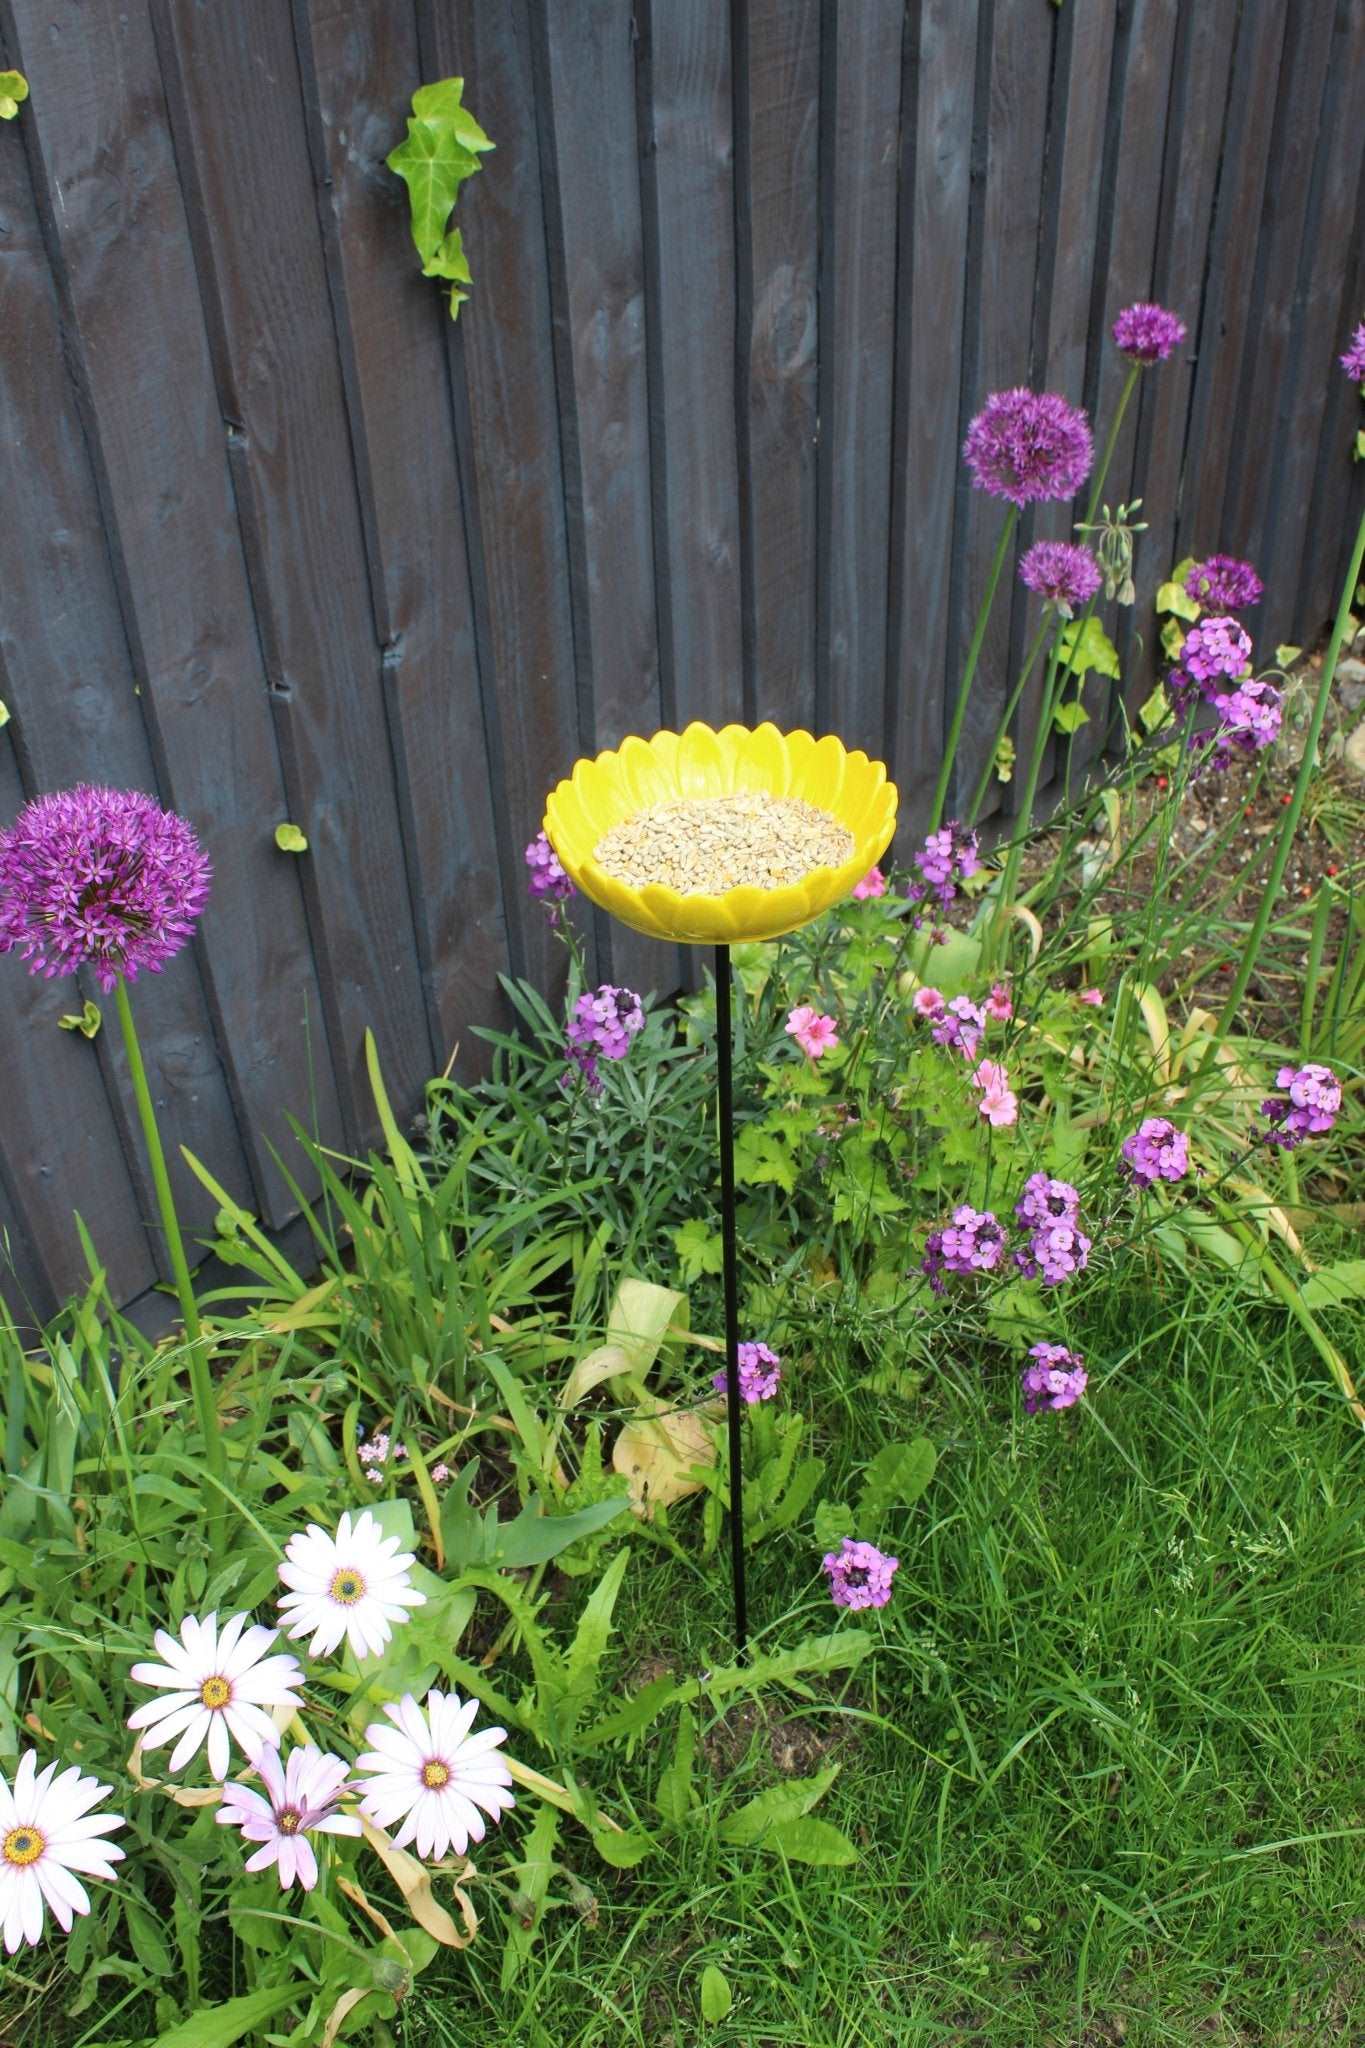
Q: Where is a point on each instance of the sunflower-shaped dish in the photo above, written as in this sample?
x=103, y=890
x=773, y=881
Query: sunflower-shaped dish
x=700, y=763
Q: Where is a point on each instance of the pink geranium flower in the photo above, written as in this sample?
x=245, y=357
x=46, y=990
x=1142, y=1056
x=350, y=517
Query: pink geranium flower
x=998, y=1105
x=998, y=1004
x=814, y=1033
x=872, y=884
x=928, y=1002
x=1093, y=996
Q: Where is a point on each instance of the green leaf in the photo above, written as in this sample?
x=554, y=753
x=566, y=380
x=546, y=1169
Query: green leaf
x=716, y=1996
x=698, y=1249
x=832, y=1522
x=622, y=1851
x=1155, y=711
x=534, y=1538
x=219, y=2026
x=1333, y=1286
x=87, y=1020
x=591, y=1637
x=443, y=147
x=1071, y=717
x=674, y=1795
x=4, y=714
x=13, y=90
x=896, y=1477
x=812, y=1841
x=1358, y=452
x=1285, y=657
x=752, y=1823
x=290, y=839
x=762, y=1159
x=1085, y=646
x=1172, y=640
x=1004, y=758
x=1173, y=597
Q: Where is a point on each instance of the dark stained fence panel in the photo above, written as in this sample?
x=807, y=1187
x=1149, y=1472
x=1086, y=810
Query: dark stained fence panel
x=291, y=544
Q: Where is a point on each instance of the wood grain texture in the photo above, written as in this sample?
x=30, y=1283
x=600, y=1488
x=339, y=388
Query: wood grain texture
x=777, y=169
x=274, y=350
x=359, y=63
x=931, y=283
x=684, y=92
x=113, y=206
x=1339, y=484
x=859, y=164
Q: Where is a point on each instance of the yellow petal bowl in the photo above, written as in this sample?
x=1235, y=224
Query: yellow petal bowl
x=700, y=763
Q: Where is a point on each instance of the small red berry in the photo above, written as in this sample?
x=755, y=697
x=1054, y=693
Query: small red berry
x=1286, y=798
x=1162, y=781
x=1333, y=871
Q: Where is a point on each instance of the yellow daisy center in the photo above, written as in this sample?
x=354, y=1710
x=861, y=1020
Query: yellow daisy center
x=215, y=1692
x=289, y=1821
x=347, y=1586
x=435, y=1774
x=22, y=1846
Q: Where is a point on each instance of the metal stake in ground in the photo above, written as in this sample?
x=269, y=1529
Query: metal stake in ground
x=725, y=1101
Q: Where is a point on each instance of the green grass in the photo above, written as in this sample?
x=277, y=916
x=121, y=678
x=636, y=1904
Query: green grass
x=1105, y=1771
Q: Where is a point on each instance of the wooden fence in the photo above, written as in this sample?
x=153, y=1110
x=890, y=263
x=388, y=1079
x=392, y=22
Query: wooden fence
x=280, y=542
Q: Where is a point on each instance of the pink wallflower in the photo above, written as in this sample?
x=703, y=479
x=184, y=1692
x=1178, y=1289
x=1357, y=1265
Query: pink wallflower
x=814, y=1033
x=972, y=1243
x=1147, y=334
x=998, y=1004
x=759, y=1372
x=102, y=878
x=1093, y=996
x=1155, y=1151
x=604, y=1022
x=1217, y=650
x=1353, y=362
x=872, y=884
x=928, y=1002
x=1307, y=1110
x=547, y=881
x=1026, y=445
x=1054, y=1253
x=946, y=858
x=860, y=1575
x=1056, y=1379
x=1046, y=1201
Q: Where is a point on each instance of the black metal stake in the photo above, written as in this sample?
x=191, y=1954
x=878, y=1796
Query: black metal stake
x=725, y=1096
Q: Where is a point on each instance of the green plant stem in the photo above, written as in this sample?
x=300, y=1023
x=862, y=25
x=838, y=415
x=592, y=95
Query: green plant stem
x=1246, y=967
x=945, y=772
x=1111, y=442
x=1048, y=625
x=201, y=1381
x=1035, y=766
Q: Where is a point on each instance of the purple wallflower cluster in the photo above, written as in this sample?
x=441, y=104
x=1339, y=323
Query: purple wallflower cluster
x=1353, y=362
x=946, y=858
x=1216, y=650
x=972, y=1243
x=547, y=882
x=1148, y=334
x=1224, y=584
x=1025, y=445
x=1155, y=1151
x=1307, y=1109
x=604, y=1022
x=860, y=1575
x=1057, y=1248
x=101, y=878
x=1061, y=573
x=1214, y=665
x=960, y=1025
x=1056, y=1379
x=759, y=1372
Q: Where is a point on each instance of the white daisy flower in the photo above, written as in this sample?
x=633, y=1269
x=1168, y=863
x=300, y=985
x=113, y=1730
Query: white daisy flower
x=300, y=1800
x=48, y=1831
x=353, y=1584
x=215, y=1684
x=433, y=1775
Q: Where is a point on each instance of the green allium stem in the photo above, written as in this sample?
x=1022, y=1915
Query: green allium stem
x=1047, y=626
x=964, y=692
x=1111, y=442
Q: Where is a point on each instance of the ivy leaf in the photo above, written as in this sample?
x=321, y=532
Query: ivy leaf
x=1173, y=597
x=1155, y=711
x=290, y=839
x=443, y=147
x=4, y=713
x=1071, y=717
x=1172, y=640
x=1086, y=646
x=13, y=90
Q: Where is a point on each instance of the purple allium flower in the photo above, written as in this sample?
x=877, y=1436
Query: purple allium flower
x=604, y=1022
x=1353, y=362
x=1063, y=574
x=960, y=1025
x=1024, y=445
x=1155, y=1151
x=101, y=878
x=1056, y=1379
x=1055, y=1252
x=860, y=1575
x=1045, y=1202
x=1147, y=334
x=548, y=881
x=1224, y=584
x=1307, y=1110
x=1216, y=650
x=759, y=1372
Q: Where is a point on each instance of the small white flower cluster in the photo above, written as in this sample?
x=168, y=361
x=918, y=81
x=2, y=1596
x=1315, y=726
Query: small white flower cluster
x=215, y=1688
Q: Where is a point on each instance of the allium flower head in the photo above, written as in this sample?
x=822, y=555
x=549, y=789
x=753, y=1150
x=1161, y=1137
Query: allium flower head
x=814, y=1033
x=1061, y=573
x=433, y=1775
x=1308, y=1108
x=354, y=1584
x=1224, y=584
x=1353, y=362
x=1025, y=445
x=759, y=1372
x=872, y=884
x=1155, y=1151
x=101, y=878
x=547, y=881
x=214, y=1686
x=1216, y=650
x=1148, y=334
x=1056, y=1379
x=860, y=1575
x=48, y=1832
x=300, y=1800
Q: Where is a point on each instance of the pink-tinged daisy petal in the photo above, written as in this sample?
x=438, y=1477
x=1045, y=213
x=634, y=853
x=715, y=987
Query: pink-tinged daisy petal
x=193, y=1739
x=65, y=1893
x=165, y=1727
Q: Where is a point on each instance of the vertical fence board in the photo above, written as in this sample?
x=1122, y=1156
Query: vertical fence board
x=274, y=344
x=777, y=346
x=685, y=136
x=99, y=124
x=935, y=178
x=360, y=68
x=1339, y=484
